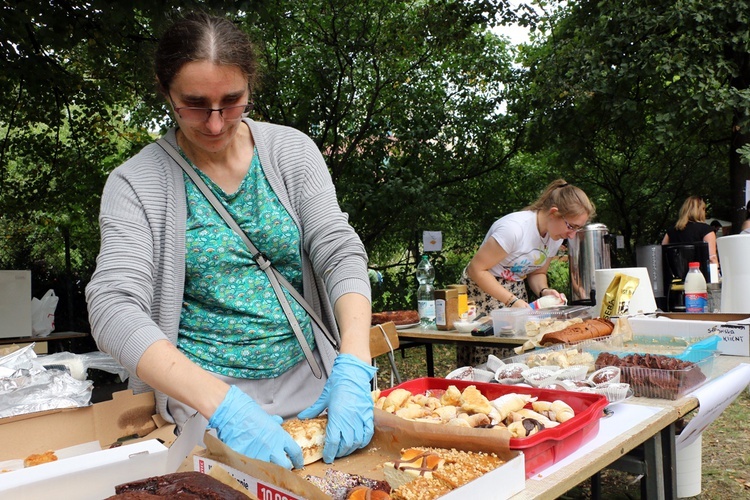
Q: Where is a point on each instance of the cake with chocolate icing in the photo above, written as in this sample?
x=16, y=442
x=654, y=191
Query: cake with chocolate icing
x=180, y=485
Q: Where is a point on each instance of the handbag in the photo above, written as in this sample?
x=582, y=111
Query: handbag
x=277, y=280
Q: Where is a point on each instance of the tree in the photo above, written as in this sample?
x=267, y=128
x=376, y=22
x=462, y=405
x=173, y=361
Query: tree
x=403, y=99
x=644, y=102
x=76, y=99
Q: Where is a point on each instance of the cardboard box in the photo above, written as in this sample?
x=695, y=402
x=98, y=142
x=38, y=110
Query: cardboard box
x=15, y=304
x=735, y=337
x=267, y=480
x=87, y=468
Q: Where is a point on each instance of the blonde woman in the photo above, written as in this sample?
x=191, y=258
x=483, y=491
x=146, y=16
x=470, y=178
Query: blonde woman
x=691, y=227
x=517, y=251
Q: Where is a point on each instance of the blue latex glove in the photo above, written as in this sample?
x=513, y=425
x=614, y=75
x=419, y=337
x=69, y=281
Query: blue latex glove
x=246, y=428
x=348, y=397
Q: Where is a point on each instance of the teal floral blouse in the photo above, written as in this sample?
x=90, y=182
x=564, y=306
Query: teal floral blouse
x=231, y=321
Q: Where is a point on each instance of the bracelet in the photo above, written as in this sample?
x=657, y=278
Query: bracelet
x=542, y=291
x=512, y=300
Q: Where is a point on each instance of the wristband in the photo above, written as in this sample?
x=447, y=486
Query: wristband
x=511, y=301
x=542, y=290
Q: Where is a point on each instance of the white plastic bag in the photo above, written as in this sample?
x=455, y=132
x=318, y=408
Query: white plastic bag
x=43, y=314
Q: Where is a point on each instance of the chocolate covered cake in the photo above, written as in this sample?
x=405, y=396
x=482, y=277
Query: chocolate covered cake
x=180, y=485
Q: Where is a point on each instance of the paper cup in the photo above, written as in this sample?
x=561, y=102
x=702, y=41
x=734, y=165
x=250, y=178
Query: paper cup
x=512, y=373
x=605, y=376
x=539, y=376
x=575, y=372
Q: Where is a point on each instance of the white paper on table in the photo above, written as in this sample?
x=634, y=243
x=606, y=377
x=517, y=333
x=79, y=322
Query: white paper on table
x=713, y=398
x=624, y=417
x=432, y=241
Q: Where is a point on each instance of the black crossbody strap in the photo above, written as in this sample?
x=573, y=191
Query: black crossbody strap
x=276, y=279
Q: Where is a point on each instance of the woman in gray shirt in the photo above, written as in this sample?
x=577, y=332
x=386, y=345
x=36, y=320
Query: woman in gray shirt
x=179, y=301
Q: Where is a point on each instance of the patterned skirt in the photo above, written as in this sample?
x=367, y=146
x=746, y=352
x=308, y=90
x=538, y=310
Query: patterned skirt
x=476, y=355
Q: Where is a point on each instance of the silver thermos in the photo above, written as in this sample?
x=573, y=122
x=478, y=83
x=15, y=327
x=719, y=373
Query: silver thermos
x=588, y=251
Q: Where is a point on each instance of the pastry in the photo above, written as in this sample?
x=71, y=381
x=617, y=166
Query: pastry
x=413, y=463
x=458, y=468
x=524, y=428
x=337, y=484
x=451, y=396
x=366, y=493
x=395, y=399
x=525, y=413
x=39, y=458
x=310, y=435
x=473, y=401
x=557, y=410
x=511, y=402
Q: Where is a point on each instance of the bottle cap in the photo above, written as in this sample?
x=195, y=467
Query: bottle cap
x=694, y=264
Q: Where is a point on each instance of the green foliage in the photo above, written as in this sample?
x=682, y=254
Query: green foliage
x=424, y=117
x=641, y=104
x=558, y=276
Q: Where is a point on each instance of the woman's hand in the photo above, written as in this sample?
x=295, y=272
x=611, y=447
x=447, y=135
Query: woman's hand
x=348, y=399
x=551, y=292
x=244, y=426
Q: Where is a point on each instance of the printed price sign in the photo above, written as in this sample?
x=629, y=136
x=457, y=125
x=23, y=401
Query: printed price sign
x=266, y=492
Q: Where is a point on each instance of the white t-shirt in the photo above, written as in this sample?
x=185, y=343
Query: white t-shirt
x=519, y=236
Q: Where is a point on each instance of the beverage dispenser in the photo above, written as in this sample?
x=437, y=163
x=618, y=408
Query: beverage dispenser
x=649, y=256
x=588, y=251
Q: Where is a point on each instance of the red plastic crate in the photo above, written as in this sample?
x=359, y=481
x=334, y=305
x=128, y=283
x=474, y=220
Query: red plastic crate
x=543, y=448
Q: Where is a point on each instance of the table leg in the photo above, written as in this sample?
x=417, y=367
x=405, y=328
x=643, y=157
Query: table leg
x=430, y=360
x=669, y=461
x=652, y=486
x=596, y=486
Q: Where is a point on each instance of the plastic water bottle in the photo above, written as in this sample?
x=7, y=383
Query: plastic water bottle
x=426, y=293
x=696, y=294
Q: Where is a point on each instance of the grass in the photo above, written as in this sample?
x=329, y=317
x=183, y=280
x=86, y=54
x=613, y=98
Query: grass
x=726, y=442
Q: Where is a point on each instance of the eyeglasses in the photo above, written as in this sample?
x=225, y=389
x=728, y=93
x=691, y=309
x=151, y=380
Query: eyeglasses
x=228, y=113
x=571, y=227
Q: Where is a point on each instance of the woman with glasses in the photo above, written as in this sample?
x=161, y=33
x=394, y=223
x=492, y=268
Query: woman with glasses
x=517, y=251
x=178, y=297
x=691, y=227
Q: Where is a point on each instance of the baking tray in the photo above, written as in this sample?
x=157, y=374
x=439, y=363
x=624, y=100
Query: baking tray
x=543, y=448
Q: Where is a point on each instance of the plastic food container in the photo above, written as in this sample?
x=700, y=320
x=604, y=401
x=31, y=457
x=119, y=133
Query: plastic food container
x=543, y=448
x=509, y=321
x=667, y=384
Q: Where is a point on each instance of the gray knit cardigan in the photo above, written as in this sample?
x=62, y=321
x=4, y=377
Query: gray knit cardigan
x=135, y=295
